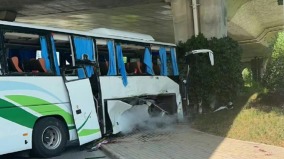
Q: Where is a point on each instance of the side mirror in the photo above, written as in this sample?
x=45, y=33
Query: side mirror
x=211, y=57
x=210, y=53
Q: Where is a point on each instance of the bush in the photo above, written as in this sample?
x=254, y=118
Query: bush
x=247, y=77
x=222, y=80
x=274, y=75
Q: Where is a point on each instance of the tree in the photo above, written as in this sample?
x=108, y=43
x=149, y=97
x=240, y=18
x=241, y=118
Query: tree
x=274, y=75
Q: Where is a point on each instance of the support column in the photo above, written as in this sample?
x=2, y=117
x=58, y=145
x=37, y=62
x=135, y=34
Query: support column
x=182, y=19
x=257, y=68
x=212, y=18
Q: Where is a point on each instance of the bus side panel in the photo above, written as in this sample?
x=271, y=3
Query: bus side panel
x=24, y=99
x=113, y=88
x=14, y=137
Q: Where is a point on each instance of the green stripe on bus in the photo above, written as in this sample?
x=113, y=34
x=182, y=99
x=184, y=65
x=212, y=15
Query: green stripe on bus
x=71, y=127
x=16, y=114
x=87, y=132
x=41, y=106
x=84, y=122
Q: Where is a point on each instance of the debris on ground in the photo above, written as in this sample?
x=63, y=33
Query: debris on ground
x=98, y=145
x=226, y=107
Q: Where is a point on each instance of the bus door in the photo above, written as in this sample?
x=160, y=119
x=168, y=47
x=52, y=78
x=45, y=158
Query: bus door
x=81, y=96
x=84, y=110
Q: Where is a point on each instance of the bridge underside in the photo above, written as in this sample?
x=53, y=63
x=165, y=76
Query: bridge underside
x=254, y=23
x=145, y=16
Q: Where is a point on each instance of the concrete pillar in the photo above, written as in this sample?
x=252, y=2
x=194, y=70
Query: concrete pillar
x=182, y=19
x=212, y=18
x=257, y=68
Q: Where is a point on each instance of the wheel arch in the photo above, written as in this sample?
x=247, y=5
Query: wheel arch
x=59, y=117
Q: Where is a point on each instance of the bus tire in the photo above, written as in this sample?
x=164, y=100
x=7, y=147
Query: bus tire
x=49, y=137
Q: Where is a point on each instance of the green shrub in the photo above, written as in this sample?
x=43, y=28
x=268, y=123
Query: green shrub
x=247, y=77
x=222, y=80
x=274, y=76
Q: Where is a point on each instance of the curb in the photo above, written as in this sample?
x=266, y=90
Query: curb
x=111, y=153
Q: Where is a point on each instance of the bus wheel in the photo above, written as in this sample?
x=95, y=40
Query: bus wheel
x=49, y=137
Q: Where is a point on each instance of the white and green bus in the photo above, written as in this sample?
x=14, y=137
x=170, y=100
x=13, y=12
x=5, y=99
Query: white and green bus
x=59, y=86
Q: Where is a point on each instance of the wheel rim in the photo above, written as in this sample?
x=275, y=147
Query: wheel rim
x=51, y=137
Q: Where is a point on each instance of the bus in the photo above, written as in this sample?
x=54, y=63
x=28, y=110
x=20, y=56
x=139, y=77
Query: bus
x=59, y=85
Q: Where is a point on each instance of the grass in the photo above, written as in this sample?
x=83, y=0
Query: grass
x=253, y=118
x=255, y=125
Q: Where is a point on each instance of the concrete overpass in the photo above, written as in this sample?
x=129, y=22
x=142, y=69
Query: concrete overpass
x=253, y=23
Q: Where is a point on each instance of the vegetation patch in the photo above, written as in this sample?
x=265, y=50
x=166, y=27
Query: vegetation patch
x=206, y=83
x=252, y=119
x=258, y=110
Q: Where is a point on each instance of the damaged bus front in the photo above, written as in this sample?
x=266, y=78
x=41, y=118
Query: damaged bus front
x=136, y=74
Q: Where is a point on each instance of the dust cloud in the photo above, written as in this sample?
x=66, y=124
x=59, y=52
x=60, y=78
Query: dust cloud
x=138, y=118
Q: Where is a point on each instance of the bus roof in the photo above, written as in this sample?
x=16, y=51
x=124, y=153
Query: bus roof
x=97, y=33
x=122, y=34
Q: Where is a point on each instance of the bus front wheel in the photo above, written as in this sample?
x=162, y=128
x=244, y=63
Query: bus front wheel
x=49, y=137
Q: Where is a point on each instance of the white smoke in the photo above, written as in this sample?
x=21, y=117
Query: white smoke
x=138, y=118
